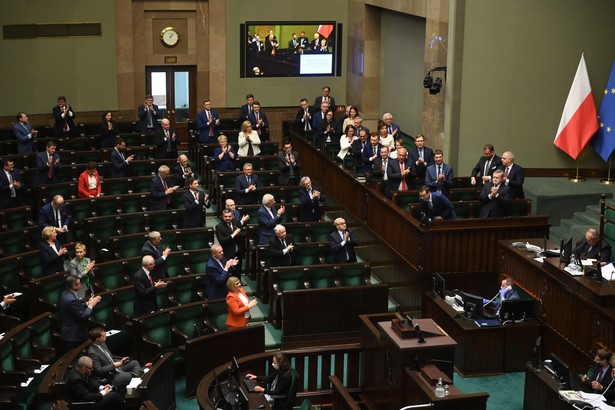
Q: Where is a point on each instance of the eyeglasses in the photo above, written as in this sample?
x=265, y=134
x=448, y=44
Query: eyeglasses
x=89, y=368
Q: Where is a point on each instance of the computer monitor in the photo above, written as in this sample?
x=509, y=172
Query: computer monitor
x=438, y=285
x=518, y=309
x=565, y=251
x=536, y=353
x=562, y=370
x=472, y=305
x=233, y=374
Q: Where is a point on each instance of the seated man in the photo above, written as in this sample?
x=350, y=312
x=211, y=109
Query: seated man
x=507, y=292
x=84, y=388
x=435, y=205
x=602, y=376
x=591, y=247
x=118, y=371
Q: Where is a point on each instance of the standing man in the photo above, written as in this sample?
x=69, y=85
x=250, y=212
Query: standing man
x=281, y=247
x=436, y=206
x=247, y=109
x=289, y=165
x=392, y=129
x=231, y=237
x=357, y=147
x=218, y=271
x=160, y=192
x=64, y=116
x=247, y=186
x=513, y=175
x=486, y=165
x=303, y=42
x=310, y=199
x=75, y=313
x=400, y=173
x=230, y=205
x=207, y=122
x=55, y=214
x=166, y=141
x=148, y=116
x=421, y=156
x=195, y=203
x=145, y=288
x=439, y=176
x=380, y=164
x=343, y=242
x=371, y=152
x=152, y=247
x=47, y=165
x=325, y=97
x=258, y=119
x=318, y=117
x=494, y=197
x=120, y=162
x=293, y=43
x=83, y=388
x=303, y=119
x=183, y=171
x=268, y=217
x=10, y=184
x=25, y=134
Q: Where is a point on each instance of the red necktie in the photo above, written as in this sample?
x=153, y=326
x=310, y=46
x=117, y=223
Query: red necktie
x=403, y=178
x=50, y=170
x=149, y=276
x=506, y=173
x=164, y=185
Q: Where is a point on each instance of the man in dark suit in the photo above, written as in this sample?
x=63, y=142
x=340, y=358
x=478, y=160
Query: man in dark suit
x=160, y=192
x=25, y=134
x=247, y=186
x=289, y=165
x=392, y=129
x=166, y=141
x=120, y=371
x=488, y=163
x=182, y=171
x=10, y=184
x=281, y=247
x=400, y=172
x=75, y=313
x=148, y=116
x=436, y=206
x=47, y=165
x=310, y=199
x=343, y=242
x=120, y=162
x=218, y=270
x=602, y=377
x=421, y=156
x=357, y=124
x=439, y=175
x=357, y=147
x=258, y=119
x=63, y=116
x=268, y=218
x=231, y=237
x=494, y=197
x=303, y=42
x=319, y=117
x=55, y=214
x=83, y=388
x=230, y=205
x=370, y=152
x=325, y=97
x=380, y=165
x=207, y=122
x=247, y=109
x=145, y=287
x=195, y=203
x=153, y=248
x=303, y=119
x=592, y=247
x=513, y=175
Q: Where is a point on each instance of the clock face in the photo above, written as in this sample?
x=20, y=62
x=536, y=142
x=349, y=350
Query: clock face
x=169, y=37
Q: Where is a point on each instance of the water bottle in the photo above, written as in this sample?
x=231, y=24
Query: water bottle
x=439, y=388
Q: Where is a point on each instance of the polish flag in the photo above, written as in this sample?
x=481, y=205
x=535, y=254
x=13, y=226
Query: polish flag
x=325, y=30
x=579, y=120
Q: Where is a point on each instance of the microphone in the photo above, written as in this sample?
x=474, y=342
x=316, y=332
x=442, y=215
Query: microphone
x=420, y=334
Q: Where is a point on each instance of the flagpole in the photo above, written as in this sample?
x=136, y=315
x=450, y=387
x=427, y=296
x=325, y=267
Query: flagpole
x=608, y=180
x=577, y=178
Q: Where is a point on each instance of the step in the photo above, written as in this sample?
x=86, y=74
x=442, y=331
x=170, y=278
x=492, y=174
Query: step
x=588, y=217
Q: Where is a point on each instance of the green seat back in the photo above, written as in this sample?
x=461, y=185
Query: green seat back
x=51, y=288
x=185, y=291
x=184, y=319
x=7, y=363
x=352, y=274
x=304, y=256
x=196, y=240
x=322, y=277
x=41, y=332
x=13, y=243
x=132, y=204
x=133, y=223
x=124, y=301
x=141, y=185
x=609, y=233
x=22, y=348
x=32, y=265
x=157, y=328
x=197, y=261
x=462, y=209
x=320, y=232
x=162, y=298
x=109, y=276
x=115, y=186
x=217, y=312
x=161, y=221
x=289, y=279
x=128, y=246
x=81, y=210
x=176, y=264
x=104, y=311
x=8, y=274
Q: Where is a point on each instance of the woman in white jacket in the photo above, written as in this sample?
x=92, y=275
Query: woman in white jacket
x=346, y=141
x=248, y=141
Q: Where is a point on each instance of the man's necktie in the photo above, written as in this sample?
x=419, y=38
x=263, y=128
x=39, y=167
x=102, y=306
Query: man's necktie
x=168, y=141
x=196, y=196
x=506, y=172
x=10, y=178
x=211, y=124
x=249, y=180
x=164, y=185
x=390, y=129
x=487, y=166
x=150, y=123
x=151, y=281
x=421, y=153
x=58, y=218
x=66, y=127
x=403, y=177
x=291, y=174
x=121, y=155
x=50, y=167
x=258, y=126
x=308, y=127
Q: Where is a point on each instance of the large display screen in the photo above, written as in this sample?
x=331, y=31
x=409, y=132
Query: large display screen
x=289, y=49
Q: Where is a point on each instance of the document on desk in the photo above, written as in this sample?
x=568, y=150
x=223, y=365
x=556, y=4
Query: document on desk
x=607, y=271
x=596, y=400
x=574, y=271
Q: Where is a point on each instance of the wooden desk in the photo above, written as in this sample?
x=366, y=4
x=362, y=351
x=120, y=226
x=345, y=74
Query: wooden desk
x=483, y=350
x=577, y=313
x=541, y=391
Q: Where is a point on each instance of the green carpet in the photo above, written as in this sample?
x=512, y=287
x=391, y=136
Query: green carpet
x=505, y=391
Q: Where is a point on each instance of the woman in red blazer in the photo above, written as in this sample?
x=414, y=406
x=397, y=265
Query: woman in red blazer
x=89, y=182
x=238, y=304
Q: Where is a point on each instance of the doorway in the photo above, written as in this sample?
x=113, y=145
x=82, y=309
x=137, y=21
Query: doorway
x=174, y=92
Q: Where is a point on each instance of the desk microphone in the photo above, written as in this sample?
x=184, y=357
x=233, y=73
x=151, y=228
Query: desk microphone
x=420, y=334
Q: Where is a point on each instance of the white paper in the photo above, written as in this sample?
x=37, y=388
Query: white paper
x=607, y=271
x=112, y=332
x=586, y=262
x=41, y=369
x=27, y=382
x=540, y=260
x=134, y=382
x=16, y=294
x=596, y=400
x=574, y=271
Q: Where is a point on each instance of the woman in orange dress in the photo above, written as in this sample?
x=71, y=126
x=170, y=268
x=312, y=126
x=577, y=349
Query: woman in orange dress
x=238, y=304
